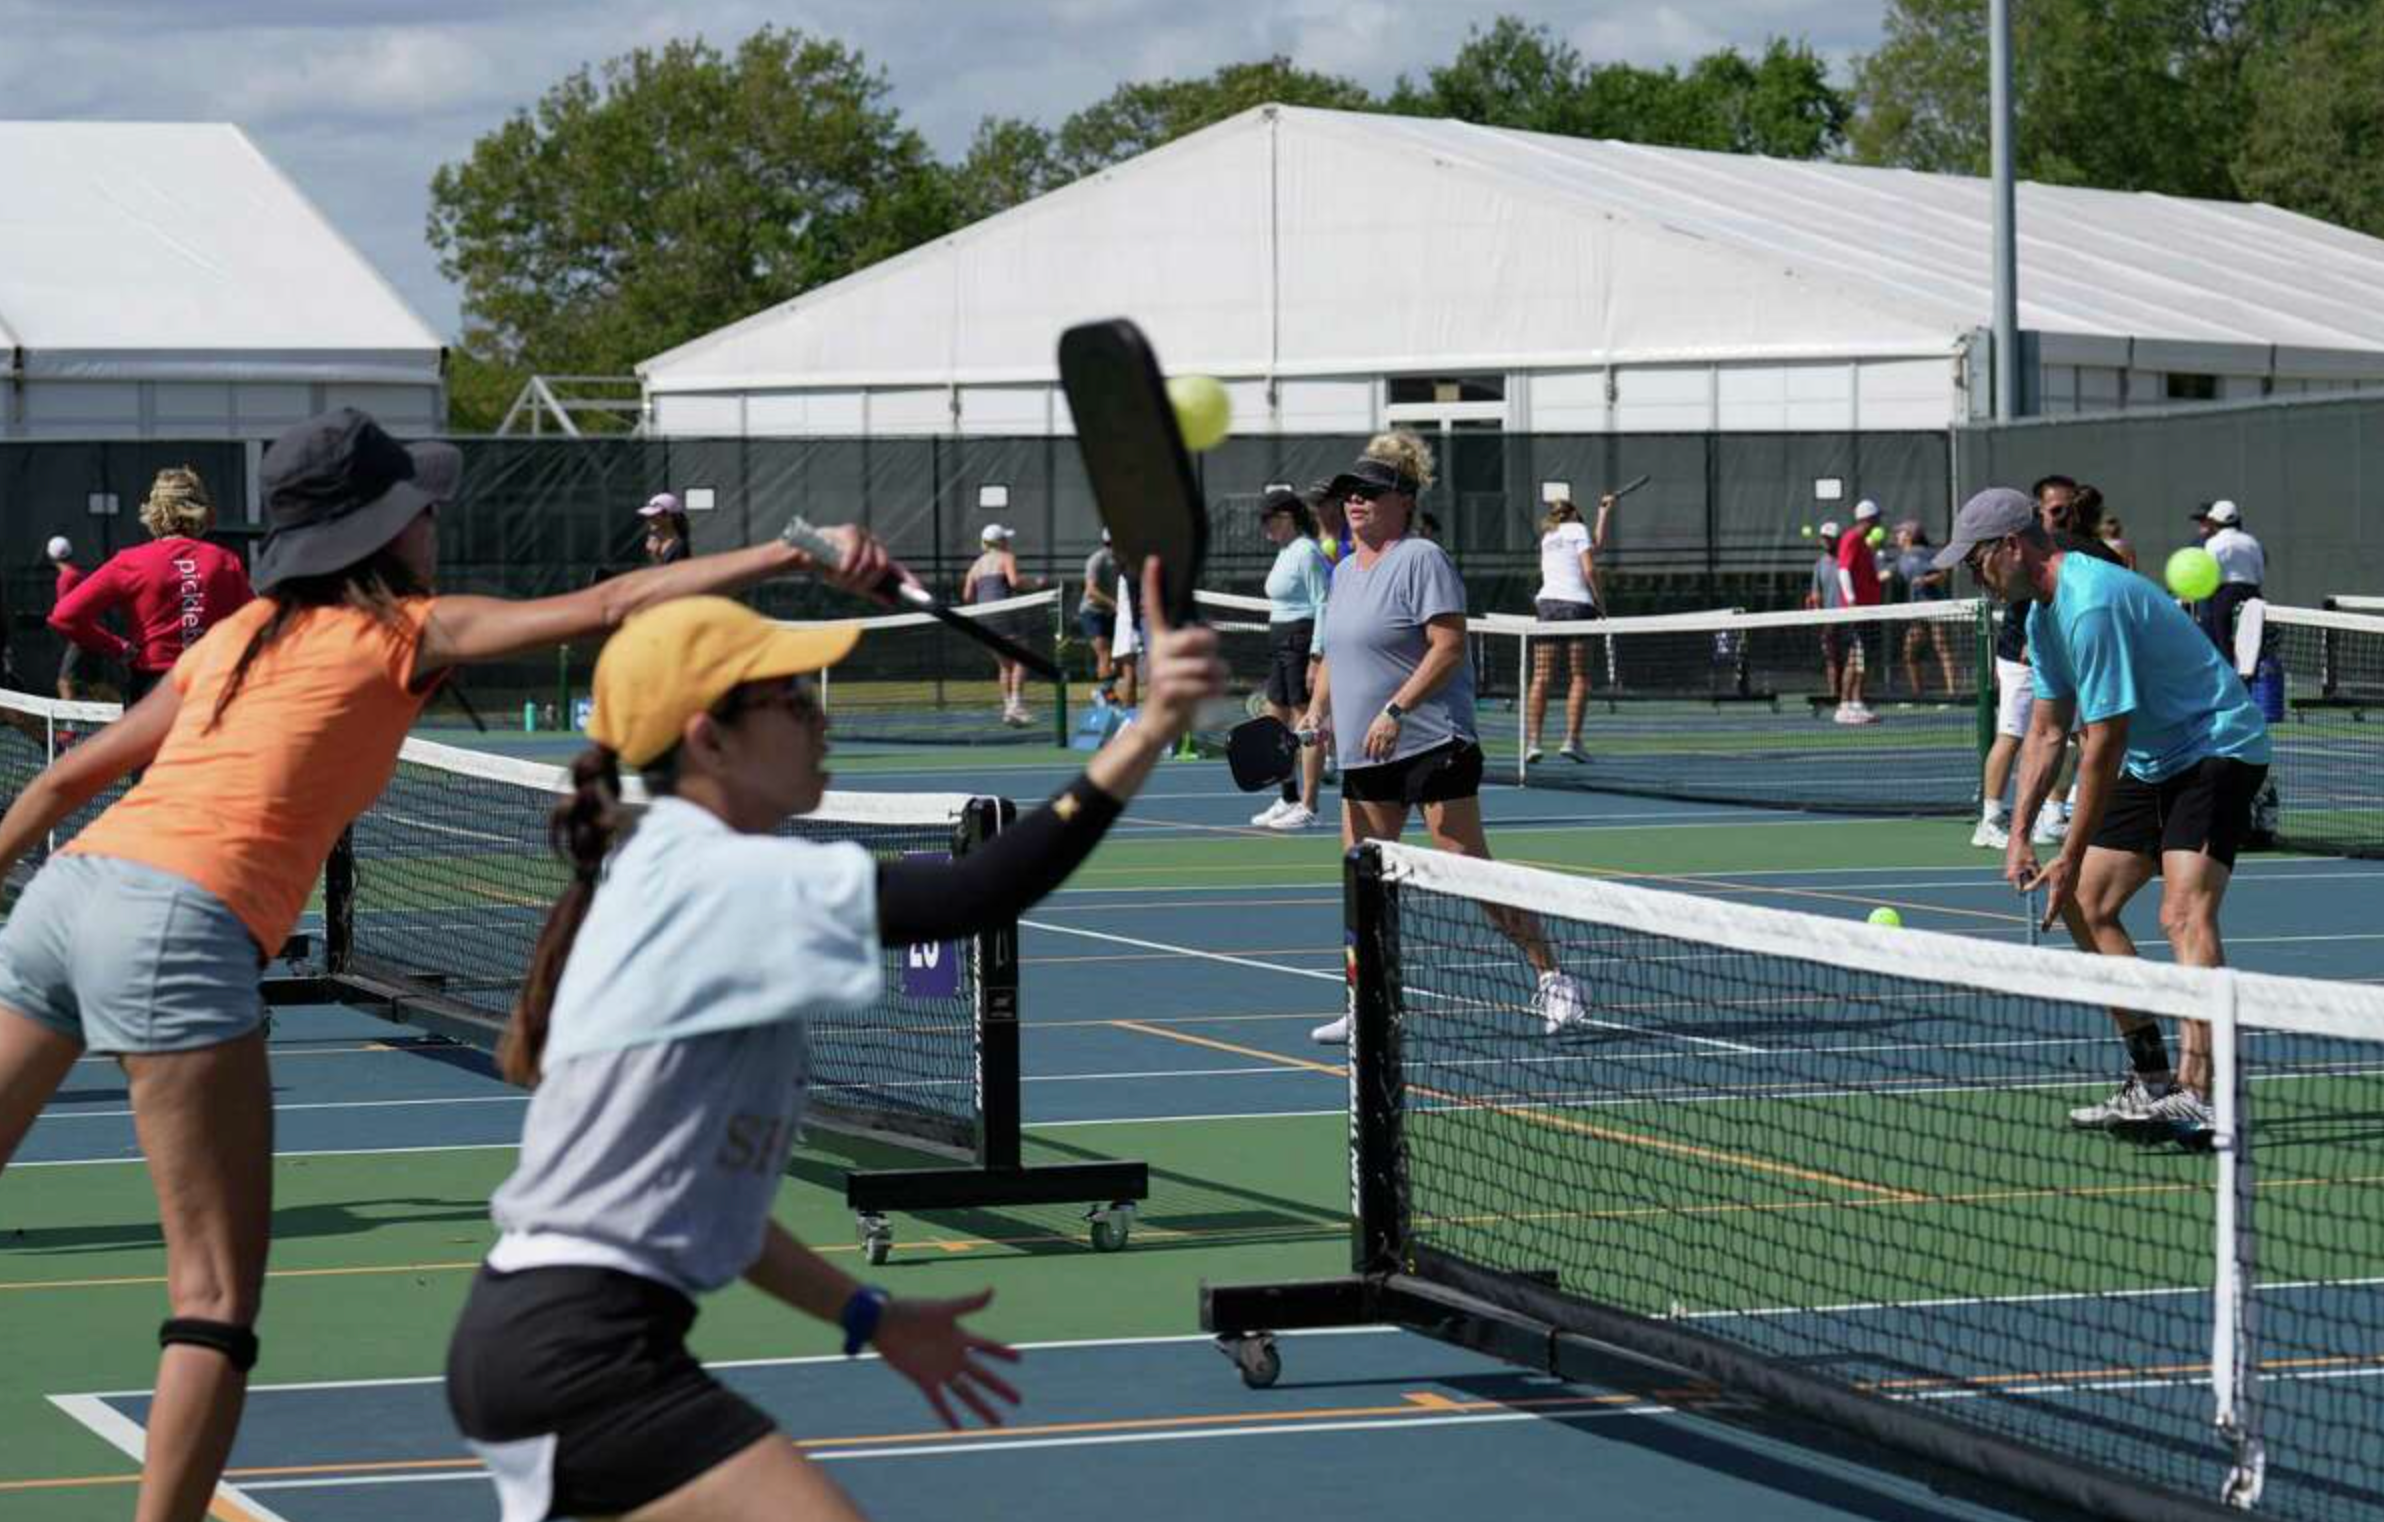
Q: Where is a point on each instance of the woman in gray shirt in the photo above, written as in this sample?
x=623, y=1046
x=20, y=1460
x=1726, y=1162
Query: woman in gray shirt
x=1393, y=663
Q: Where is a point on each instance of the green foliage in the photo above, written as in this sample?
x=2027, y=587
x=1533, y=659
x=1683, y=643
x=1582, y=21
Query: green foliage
x=2181, y=97
x=479, y=389
x=1524, y=76
x=676, y=191
x=1136, y=118
x=2316, y=145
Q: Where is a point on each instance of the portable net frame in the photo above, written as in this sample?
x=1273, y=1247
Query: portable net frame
x=1830, y=1165
x=433, y=901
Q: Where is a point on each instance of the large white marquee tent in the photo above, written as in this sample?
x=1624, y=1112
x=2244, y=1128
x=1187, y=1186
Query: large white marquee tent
x=1340, y=271
x=165, y=280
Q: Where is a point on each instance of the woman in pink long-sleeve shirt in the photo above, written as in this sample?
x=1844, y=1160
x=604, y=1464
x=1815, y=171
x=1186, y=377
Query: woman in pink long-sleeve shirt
x=174, y=588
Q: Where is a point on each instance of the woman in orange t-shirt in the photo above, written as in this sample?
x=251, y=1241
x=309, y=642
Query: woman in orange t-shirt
x=268, y=737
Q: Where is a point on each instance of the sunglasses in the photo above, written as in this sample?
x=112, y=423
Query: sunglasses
x=1365, y=493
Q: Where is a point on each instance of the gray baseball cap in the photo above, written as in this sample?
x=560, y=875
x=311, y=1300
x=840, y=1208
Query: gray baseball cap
x=1996, y=513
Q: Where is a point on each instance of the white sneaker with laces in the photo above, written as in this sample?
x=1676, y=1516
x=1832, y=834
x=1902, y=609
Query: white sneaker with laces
x=1531, y=755
x=1332, y=1032
x=2184, y=1112
x=2050, y=828
x=1272, y=811
x=1558, y=1002
x=1861, y=714
x=1297, y=817
x=2129, y=1104
x=1844, y=714
x=1990, y=835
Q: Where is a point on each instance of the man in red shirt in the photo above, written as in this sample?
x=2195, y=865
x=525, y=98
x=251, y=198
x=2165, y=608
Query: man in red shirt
x=175, y=588
x=70, y=575
x=1858, y=587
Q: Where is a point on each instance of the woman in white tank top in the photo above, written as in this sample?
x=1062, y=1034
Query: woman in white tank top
x=1568, y=593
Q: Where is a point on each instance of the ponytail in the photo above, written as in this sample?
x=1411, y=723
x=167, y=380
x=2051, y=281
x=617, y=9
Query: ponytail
x=583, y=830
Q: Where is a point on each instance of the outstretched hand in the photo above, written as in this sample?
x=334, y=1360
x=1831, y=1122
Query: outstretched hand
x=924, y=1342
x=864, y=564
x=1180, y=666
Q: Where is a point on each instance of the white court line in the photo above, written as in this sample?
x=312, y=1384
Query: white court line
x=1186, y=951
x=128, y=1437
x=328, y=1104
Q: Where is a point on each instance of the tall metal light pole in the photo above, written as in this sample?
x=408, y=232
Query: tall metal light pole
x=2007, y=248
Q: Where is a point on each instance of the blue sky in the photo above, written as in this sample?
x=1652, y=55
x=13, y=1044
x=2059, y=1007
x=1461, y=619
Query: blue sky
x=361, y=100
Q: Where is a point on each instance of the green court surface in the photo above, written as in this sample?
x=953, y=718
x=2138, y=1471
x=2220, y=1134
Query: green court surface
x=1168, y=993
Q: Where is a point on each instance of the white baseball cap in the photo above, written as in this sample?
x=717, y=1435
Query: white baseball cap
x=59, y=548
x=1865, y=509
x=2221, y=511
x=659, y=503
x=1829, y=528
x=993, y=532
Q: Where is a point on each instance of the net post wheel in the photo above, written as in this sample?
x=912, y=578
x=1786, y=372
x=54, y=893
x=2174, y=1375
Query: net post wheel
x=1883, y=915
x=1203, y=413
x=2192, y=573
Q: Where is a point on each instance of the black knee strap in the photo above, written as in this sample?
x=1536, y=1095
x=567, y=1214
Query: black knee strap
x=236, y=1343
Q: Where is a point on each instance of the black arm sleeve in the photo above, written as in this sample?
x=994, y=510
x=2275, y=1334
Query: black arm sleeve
x=944, y=900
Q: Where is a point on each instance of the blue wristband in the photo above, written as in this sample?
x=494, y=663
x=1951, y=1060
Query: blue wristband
x=860, y=1317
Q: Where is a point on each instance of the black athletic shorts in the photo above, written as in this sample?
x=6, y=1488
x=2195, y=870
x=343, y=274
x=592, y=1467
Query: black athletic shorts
x=576, y=1387
x=1442, y=774
x=1287, y=662
x=1553, y=610
x=2205, y=808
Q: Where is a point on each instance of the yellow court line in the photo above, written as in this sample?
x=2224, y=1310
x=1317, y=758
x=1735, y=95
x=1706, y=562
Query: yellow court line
x=1329, y=1069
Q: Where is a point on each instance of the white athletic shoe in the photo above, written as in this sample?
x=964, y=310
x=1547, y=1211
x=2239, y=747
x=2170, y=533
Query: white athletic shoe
x=1297, y=817
x=1332, y=1033
x=1273, y=811
x=1558, y=1002
x=1990, y=835
x=1532, y=756
x=1862, y=714
x=1574, y=754
x=2186, y=1115
x=2129, y=1104
x=1844, y=714
x=2050, y=828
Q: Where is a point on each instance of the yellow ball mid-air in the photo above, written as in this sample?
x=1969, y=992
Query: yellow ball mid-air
x=1203, y=414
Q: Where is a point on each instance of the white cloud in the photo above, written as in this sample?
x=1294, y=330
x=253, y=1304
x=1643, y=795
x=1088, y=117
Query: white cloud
x=361, y=101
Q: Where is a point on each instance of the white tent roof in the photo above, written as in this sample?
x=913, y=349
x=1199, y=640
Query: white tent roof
x=176, y=250
x=1290, y=241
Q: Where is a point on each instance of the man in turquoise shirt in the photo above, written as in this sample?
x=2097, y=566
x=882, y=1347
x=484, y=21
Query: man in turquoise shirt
x=2174, y=752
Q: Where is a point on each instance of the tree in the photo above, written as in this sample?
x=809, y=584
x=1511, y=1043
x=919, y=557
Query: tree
x=1009, y=161
x=2122, y=94
x=1136, y=118
x=2315, y=142
x=675, y=191
x=1523, y=76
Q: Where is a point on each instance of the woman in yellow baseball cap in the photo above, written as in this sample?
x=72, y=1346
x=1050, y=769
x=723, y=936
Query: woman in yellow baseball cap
x=662, y=1023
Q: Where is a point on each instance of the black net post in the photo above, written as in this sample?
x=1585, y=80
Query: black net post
x=1376, y=1088
x=996, y=954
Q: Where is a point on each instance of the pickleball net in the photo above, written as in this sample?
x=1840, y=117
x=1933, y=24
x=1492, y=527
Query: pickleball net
x=436, y=898
x=1833, y=1165
x=433, y=900
x=914, y=680
x=1739, y=708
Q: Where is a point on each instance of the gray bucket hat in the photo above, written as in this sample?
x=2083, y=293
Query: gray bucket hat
x=337, y=488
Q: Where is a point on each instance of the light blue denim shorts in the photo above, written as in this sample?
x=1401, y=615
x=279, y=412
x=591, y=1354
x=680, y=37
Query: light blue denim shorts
x=126, y=958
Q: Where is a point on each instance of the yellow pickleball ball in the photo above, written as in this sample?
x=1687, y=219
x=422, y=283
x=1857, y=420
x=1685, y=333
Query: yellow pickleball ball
x=1203, y=413
x=1805, y=531
x=2193, y=573
x=1883, y=915
x=1877, y=537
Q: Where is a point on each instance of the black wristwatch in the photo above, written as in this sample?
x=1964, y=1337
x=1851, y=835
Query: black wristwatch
x=1393, y=712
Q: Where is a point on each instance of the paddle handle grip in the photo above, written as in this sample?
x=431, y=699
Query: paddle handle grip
x=1629, y=487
